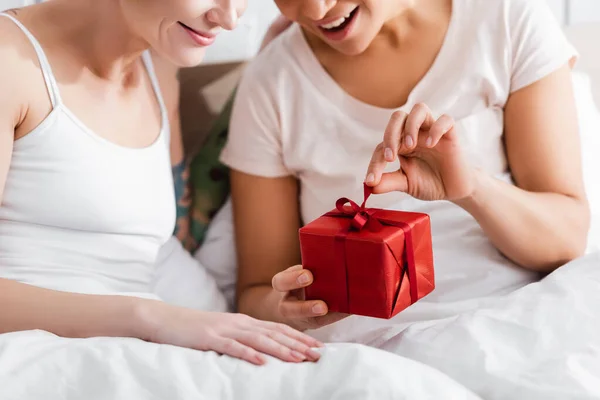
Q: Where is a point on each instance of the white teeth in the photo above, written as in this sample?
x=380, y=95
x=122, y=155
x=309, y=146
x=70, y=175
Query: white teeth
x=335, y=23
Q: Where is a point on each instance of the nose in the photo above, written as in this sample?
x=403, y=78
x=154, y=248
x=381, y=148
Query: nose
x=225, y=14
x=317, y=9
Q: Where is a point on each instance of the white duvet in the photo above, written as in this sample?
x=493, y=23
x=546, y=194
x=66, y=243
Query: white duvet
x=540, y=342
x=38, y=365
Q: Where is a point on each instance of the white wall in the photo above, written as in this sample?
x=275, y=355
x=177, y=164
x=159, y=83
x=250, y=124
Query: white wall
x=584, y=11
x=558, y=6
x=6, y=4
x=244, y=41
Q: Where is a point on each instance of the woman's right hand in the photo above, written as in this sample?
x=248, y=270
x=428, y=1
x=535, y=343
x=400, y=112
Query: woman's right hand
x=293, y=308
x=235, y=335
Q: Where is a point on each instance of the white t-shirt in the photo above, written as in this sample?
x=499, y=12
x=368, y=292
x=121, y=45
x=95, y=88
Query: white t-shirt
x=291, y=118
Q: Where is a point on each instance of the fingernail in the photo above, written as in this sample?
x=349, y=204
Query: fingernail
x=260, y=359
x=409, y=141
x=319, y=309
x=429, y=141
x=319, y=344
x=370, y=178
x=298, y=356
x=389, y=154
x=303, y=279
x=313, y=354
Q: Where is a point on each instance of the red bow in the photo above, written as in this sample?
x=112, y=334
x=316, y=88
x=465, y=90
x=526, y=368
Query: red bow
x=363, y=217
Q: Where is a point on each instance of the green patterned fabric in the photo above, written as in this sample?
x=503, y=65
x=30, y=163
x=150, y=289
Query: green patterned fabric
x=209, y=178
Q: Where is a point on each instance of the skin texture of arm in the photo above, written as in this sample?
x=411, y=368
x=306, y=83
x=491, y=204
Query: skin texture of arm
x=270, y=279
x=543, y=221
x=264, y=252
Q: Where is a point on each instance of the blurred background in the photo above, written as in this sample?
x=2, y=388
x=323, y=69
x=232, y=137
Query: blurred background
x=243, y=43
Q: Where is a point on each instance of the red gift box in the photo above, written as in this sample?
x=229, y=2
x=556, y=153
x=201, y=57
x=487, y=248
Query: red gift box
x=369, y=262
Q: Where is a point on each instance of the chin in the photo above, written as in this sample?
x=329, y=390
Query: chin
x=184, y=58
x=352, y=49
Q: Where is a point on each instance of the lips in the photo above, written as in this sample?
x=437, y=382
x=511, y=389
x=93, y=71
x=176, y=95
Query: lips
x=200, y=38
x=337, y=24
x=339, y=28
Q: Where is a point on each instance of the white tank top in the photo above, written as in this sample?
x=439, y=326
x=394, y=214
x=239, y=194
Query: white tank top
x=80, y=213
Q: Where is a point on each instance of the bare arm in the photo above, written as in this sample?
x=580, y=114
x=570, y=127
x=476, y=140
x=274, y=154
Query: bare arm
x=270, y=280
x=24, y=307
x=267, y=219
x=27, y=307
x=542, y=222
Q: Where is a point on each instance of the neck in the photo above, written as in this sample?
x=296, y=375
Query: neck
x=403, y=15
x=100, y=34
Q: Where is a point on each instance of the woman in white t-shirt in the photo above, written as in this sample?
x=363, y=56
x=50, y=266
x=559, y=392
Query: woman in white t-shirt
x=475, y=98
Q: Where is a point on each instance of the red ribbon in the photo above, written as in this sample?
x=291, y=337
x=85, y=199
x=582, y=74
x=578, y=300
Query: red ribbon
x=362, y=218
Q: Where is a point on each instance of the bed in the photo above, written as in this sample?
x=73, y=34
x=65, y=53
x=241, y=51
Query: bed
x=540, y=342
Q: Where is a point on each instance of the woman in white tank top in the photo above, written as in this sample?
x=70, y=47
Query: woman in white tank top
x=86, y=191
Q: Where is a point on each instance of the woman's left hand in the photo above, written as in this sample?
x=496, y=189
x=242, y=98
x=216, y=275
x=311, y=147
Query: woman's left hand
x=432, y=166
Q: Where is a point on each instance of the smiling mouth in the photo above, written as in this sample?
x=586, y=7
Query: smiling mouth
x=195, y=31
x=341, y=23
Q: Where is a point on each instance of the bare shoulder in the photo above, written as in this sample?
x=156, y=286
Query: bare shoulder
x=19, y=69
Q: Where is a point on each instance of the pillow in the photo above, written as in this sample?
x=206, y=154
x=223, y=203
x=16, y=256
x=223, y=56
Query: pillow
x=209, y=178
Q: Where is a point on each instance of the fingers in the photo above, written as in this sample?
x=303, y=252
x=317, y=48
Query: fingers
x=295, y=309
x=297, y=335
x=292, y=279
x=267, y=342
x=254, y=338
x=396, y=181
x=376, y=166
x=388, y=149
x=441, y=127
x=420, y=118
x=392, y=135
x=294, y=346
x=233, y=348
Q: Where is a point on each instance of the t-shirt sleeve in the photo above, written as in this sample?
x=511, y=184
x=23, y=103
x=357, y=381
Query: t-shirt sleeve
x=538, y=44
x=254, y=143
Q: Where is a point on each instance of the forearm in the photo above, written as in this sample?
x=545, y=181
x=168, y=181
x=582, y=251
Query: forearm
x=25, y=307
x=260, y=302
x=539, y=231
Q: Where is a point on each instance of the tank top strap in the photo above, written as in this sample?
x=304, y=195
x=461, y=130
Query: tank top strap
x=147, y=58
x=49, y=78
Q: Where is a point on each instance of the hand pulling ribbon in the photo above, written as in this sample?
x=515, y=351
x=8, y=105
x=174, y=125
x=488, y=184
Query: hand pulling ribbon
x=362, y=218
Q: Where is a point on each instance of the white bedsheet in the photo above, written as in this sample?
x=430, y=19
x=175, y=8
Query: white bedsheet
x=539, y=342
x=39, y=366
